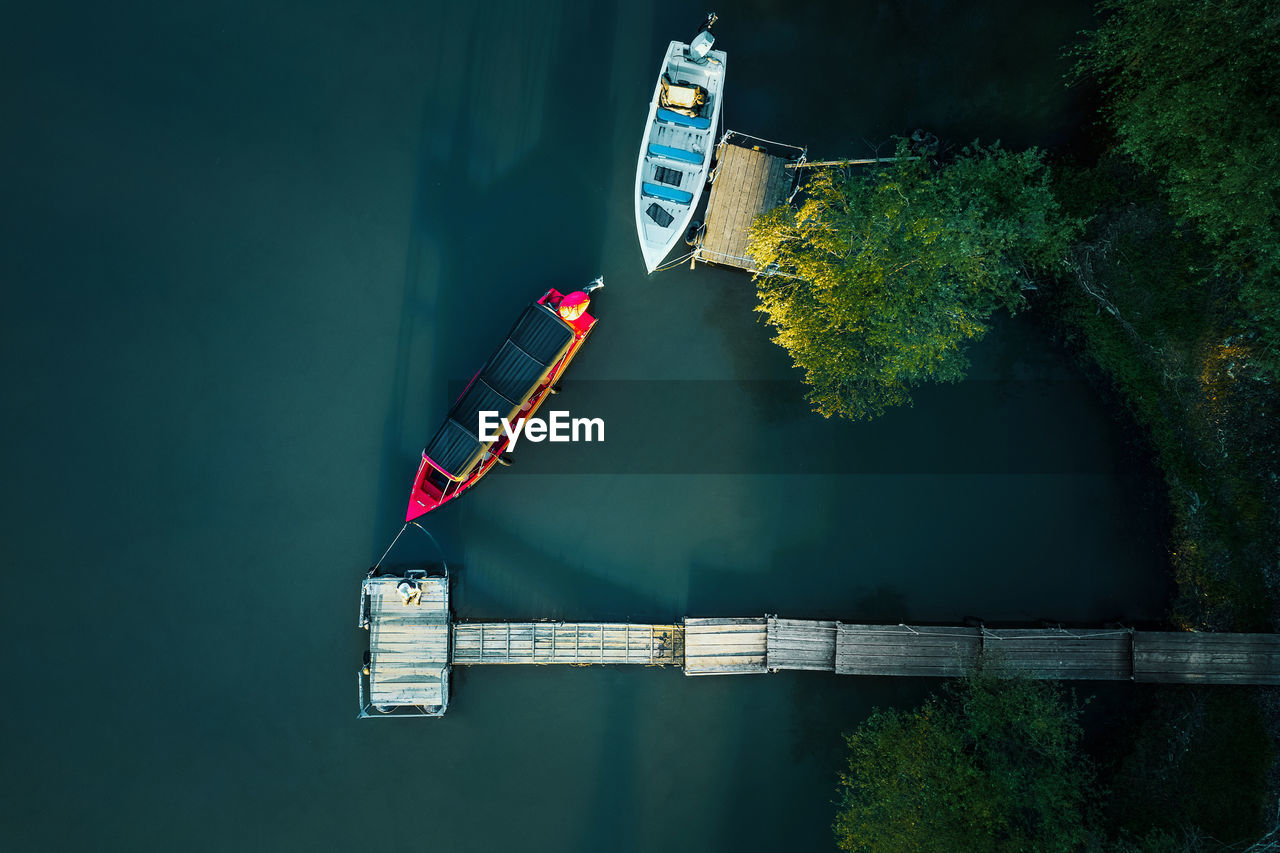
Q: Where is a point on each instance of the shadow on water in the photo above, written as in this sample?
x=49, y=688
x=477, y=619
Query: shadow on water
x=790, y=591
x=608, y=816
x=522, y=579
x=884, y=604
x=472, y=255
x=415, y=298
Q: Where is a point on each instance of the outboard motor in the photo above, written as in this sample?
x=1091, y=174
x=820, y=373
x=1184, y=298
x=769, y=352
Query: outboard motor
x=701, y=46
x=702, y=42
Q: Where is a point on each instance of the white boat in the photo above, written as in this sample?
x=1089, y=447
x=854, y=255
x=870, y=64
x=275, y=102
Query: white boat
x=678, y=141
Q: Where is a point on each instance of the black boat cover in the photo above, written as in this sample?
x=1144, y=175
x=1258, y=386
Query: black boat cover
x=535, y=344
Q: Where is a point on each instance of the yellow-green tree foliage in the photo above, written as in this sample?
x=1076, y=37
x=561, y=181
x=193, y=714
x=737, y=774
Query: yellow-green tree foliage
x=987, y=765
x=884, y=277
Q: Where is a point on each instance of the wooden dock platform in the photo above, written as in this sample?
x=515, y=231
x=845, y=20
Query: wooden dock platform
x=567, y=643
x=407, y=669
x=748, y=181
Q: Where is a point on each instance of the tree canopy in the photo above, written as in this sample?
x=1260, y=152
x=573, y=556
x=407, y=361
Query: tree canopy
x=986, y=765
x=1193, y=91
x=884, y=277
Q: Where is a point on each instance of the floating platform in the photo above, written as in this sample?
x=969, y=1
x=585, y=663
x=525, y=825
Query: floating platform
x=406, y=671
x=748, y=180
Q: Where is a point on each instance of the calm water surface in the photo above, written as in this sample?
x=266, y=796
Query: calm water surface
x=245, y=250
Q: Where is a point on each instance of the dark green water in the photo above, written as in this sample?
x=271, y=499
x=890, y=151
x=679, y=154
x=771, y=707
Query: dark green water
x=246, y=248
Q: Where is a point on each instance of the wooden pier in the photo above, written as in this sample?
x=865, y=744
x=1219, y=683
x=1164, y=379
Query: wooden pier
x=413, y=643
x=748, y=181
x=567, y=643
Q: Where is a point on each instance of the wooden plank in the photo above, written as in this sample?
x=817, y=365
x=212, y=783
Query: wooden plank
x=563, y=643
x=1188, y=657
x=1054, y=653
x=408, y=643
x=884, y=649
x=743, y=189
x=725, y=646
x=801, y=645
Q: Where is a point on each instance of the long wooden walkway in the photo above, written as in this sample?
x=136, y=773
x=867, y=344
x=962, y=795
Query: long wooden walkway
x=769, y=644
x=413, y=643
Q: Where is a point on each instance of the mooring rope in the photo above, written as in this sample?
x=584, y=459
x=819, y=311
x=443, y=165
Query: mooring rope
x=392, y=545
x=401, y=533
x=433, y=542
x=795, y=185
x=1057, y=632
x=680, y=260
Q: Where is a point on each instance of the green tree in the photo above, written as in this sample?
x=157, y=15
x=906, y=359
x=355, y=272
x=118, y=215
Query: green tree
x=884, y=277
x=1193, y=91
x=992, y=765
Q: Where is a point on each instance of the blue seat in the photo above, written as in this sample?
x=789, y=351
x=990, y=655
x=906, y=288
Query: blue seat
x=676, y=154
x=683, y=120
x=666, y=193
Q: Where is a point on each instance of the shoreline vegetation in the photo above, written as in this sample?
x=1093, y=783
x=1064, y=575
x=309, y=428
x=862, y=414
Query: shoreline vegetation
x=1156, y=260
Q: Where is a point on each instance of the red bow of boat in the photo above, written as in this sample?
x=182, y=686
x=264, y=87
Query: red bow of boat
x=513, y=382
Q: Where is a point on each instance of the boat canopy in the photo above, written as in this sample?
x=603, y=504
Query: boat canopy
x=508, y=379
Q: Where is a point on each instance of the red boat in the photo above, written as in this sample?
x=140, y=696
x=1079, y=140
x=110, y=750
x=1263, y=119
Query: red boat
x=513, y=383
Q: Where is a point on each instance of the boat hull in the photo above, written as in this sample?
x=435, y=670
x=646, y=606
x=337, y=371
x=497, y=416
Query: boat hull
x=434, y=485
x=675, y=154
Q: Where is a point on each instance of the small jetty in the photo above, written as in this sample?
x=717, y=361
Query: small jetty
x=406, y=670
x=413, y=643
x=750, y=177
